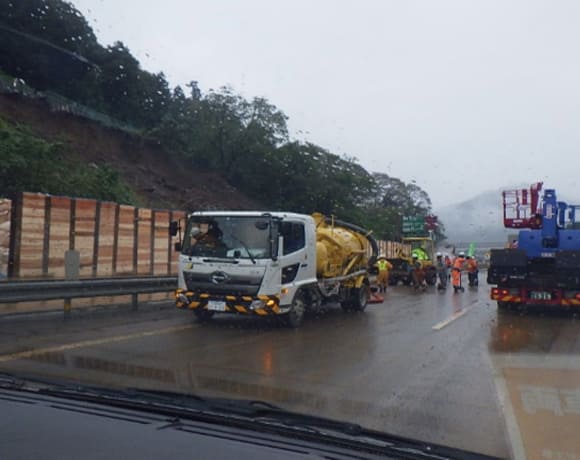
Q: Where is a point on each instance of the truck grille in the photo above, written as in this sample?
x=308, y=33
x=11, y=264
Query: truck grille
x=223, y=285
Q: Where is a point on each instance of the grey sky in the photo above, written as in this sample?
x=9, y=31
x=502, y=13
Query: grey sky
x=461, y=96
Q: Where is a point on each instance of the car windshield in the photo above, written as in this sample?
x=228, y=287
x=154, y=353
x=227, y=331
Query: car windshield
x=228, y=236
x=364, y=210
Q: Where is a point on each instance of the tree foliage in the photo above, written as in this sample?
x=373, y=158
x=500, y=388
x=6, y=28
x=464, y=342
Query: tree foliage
x=35, y=165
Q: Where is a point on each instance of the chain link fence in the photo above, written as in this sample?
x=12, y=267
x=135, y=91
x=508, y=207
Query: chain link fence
x=61, y=104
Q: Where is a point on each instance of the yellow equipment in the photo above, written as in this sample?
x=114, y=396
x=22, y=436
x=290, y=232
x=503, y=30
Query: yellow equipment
x=340, y=251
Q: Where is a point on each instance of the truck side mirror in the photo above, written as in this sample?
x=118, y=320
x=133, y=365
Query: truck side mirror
x=178, y=246
x=173, y=227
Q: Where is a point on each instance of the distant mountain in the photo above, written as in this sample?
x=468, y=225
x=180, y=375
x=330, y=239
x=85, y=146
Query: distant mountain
x=480, y=218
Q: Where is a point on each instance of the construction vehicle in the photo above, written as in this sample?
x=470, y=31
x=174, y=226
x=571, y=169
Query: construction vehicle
x=541, y=267
x=271, y=263
x=423, y=249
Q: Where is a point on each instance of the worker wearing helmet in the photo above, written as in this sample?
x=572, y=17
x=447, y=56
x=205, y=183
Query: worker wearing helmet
x=458, y=265
x=384, y=267
x=442, y=271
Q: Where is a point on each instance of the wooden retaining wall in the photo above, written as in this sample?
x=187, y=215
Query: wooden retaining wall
x=5, y=206
x=112, y=239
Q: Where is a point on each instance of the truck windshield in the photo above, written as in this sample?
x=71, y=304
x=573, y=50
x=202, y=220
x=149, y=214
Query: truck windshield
x=235, y=237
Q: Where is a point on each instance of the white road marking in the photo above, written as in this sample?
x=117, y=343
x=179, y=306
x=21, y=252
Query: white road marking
x=90, y=343
x=453, y=317
x=514, y=436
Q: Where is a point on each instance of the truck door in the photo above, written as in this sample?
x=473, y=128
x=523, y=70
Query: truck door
x=295, y=264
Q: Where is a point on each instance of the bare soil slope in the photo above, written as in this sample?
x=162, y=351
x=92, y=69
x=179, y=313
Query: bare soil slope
x=156, y=179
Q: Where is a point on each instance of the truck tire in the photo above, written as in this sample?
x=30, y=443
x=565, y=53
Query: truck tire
x=202, y=315
x=295, y=316
x=357, y=299
x=360, y=298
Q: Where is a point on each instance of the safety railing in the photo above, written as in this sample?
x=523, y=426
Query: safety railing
x=24, y=291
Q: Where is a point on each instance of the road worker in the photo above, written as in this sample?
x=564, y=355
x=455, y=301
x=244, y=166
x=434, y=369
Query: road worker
x=472, y=271
x=442, y=271
x=458, y=265
x=384, y=267
x=418, y=273
x=448, y=262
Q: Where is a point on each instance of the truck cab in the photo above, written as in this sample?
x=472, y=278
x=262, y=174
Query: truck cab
x=245, y=262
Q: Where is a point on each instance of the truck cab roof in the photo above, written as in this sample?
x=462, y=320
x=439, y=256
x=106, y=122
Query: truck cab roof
x=279, y=214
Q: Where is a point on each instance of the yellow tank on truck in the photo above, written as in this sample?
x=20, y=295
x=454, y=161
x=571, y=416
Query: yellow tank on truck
x=339, y=250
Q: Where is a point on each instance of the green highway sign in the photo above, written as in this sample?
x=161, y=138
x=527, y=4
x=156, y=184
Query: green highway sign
x=413, y=224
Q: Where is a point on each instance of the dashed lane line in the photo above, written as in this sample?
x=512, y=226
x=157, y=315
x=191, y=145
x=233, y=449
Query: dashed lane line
x=454, y=317
x=90, y=343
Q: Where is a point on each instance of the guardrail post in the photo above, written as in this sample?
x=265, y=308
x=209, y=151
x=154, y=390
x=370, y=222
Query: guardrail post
x=134, y=301
x=72, y=267
x=15, y=236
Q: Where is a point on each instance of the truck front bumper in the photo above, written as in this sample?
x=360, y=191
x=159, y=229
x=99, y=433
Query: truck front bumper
x=261, y=305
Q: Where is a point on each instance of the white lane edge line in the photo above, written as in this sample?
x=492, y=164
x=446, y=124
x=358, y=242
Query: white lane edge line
x=514, y=435
x=90, y=343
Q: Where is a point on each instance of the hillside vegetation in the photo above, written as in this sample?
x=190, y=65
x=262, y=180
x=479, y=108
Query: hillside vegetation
x=50, y=45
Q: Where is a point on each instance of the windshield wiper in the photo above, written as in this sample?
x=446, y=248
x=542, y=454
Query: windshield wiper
x=244, y=245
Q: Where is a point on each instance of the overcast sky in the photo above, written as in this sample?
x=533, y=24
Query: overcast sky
x=460, y=96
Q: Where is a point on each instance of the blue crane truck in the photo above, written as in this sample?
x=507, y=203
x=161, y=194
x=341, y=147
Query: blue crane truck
x=541, y=267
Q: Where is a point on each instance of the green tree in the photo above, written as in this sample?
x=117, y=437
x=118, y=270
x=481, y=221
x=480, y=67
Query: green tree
x=28, y=163
x=48, y=43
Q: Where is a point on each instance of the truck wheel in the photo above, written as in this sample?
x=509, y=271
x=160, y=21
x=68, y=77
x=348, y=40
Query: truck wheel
x=360, y=298
x=295, y=316
x=203, y=315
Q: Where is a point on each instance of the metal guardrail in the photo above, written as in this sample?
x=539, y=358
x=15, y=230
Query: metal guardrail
x=24, y=291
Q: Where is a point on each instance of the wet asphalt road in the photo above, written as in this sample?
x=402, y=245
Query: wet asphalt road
x=438, y=367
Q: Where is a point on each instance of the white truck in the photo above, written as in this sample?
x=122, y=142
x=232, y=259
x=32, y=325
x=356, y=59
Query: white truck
x=271, y=263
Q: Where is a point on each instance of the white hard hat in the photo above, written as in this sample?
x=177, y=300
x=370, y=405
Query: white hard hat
x=461, y=253
x=439, y=254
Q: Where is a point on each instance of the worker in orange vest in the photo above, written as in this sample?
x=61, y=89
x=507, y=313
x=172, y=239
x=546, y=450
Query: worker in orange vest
x=458, y=265
x=448, y=261
x=472, y=271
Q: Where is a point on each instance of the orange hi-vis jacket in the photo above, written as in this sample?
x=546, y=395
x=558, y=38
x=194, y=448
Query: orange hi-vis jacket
x=472, y=265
